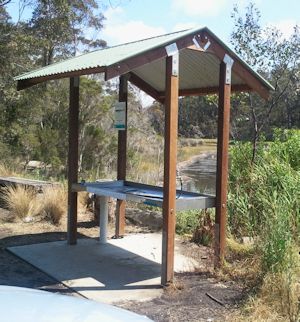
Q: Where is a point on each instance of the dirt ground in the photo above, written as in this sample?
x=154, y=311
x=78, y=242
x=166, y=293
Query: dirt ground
x=198, y=296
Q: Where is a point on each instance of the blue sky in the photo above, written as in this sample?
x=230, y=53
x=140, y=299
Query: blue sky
x=137, y=19
x=129, y=20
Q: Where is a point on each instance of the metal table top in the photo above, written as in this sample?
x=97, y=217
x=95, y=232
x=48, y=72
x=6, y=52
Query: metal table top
x=147, y=194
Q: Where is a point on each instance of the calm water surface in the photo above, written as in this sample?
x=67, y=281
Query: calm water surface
x=200, y=176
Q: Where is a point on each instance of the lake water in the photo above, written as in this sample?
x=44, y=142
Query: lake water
x=200, y=176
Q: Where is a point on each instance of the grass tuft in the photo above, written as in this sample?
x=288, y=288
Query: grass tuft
x=53, y=204
x=21, y=202
x=5, y=171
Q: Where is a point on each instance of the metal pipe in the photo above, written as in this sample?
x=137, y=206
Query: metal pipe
x=103, y=219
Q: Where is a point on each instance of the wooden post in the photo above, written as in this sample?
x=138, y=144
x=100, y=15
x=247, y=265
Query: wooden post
x=222, y=163
x=121, y=163
x=73, y=159
x=170, y=156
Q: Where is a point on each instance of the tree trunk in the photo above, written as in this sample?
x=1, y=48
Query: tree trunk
x=255, y=129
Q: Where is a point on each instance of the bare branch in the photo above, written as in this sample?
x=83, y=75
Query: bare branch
x=4, y=3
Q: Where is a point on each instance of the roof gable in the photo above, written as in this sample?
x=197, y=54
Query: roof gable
x=200, y=54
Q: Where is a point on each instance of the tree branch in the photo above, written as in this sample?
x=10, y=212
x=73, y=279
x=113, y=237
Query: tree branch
x=2, y=4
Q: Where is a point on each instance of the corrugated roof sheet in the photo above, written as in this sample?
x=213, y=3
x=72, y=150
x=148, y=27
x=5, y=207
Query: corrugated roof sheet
x=104, y=57
x=197, y=69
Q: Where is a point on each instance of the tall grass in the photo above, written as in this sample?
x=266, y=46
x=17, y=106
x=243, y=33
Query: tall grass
x=264, y=203
x=25, y=203
x=261, y=191
x=197, y=224
x=187, y=221
x=6, y=171
x=21, y=202
x=53, y=204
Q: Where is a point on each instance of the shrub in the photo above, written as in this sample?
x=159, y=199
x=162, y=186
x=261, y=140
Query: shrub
x=53, y=204
x=204, y=232
x=262, y=194
x=279, y=296
x=21, y=202
x=196, y=223
x=187, y=221
x=264, y=202
x=5, y=171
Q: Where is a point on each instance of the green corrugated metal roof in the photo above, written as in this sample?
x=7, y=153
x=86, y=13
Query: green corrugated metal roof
x=104, y=57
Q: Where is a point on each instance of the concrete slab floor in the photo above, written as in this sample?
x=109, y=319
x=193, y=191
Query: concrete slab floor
x=123, y=269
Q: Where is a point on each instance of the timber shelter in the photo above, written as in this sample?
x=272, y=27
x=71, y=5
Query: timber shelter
x=185, y=63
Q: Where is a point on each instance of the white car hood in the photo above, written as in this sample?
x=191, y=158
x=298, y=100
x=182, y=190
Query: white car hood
x=19, y=304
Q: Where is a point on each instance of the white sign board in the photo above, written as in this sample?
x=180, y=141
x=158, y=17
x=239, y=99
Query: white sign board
x=120, y=115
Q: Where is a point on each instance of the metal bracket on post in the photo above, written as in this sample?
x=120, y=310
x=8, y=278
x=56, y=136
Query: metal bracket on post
x=172, y=50
x=196, y=43
x=229, y=62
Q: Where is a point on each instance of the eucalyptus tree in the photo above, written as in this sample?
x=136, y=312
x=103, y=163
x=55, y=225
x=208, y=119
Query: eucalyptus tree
x=61, y=28
x=4, y=2
x=275, y=57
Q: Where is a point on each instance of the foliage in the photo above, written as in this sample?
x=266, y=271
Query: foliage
x=97, y=137
x=204, y=232
x=279, y=293
x=187, y=221
x=264, y=202
x=21, y=202
x=278, y=60
x=33, y=123
x=196, y=223
x=57, y=27
x=264, y=199
x=26, y=204
x=145, y=147
x=53, y=204
x=197, y=117
x=6, y=171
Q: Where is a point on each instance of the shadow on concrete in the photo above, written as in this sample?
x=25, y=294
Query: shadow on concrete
x=91, y=268
x=17, y=272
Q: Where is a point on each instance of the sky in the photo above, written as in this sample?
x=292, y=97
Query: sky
x=130, y=20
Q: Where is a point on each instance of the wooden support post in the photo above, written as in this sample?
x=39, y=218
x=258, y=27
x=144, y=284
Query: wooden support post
x=121, y=163
x=73, y=159
x=222, y=164
x=170, y=156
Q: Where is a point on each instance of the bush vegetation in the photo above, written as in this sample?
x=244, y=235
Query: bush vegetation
x=264, y=199
x=21, y=202
x=264, y=206
x=53, y=204
x=264, y=203
x=27, y=205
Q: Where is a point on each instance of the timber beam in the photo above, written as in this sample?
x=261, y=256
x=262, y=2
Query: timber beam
x=222, y=164
x=144, y=86
x=170, y=156
x=26, y=83
x=238, y=67
x=122, y=159
x=208, y=90
x=73, y=159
